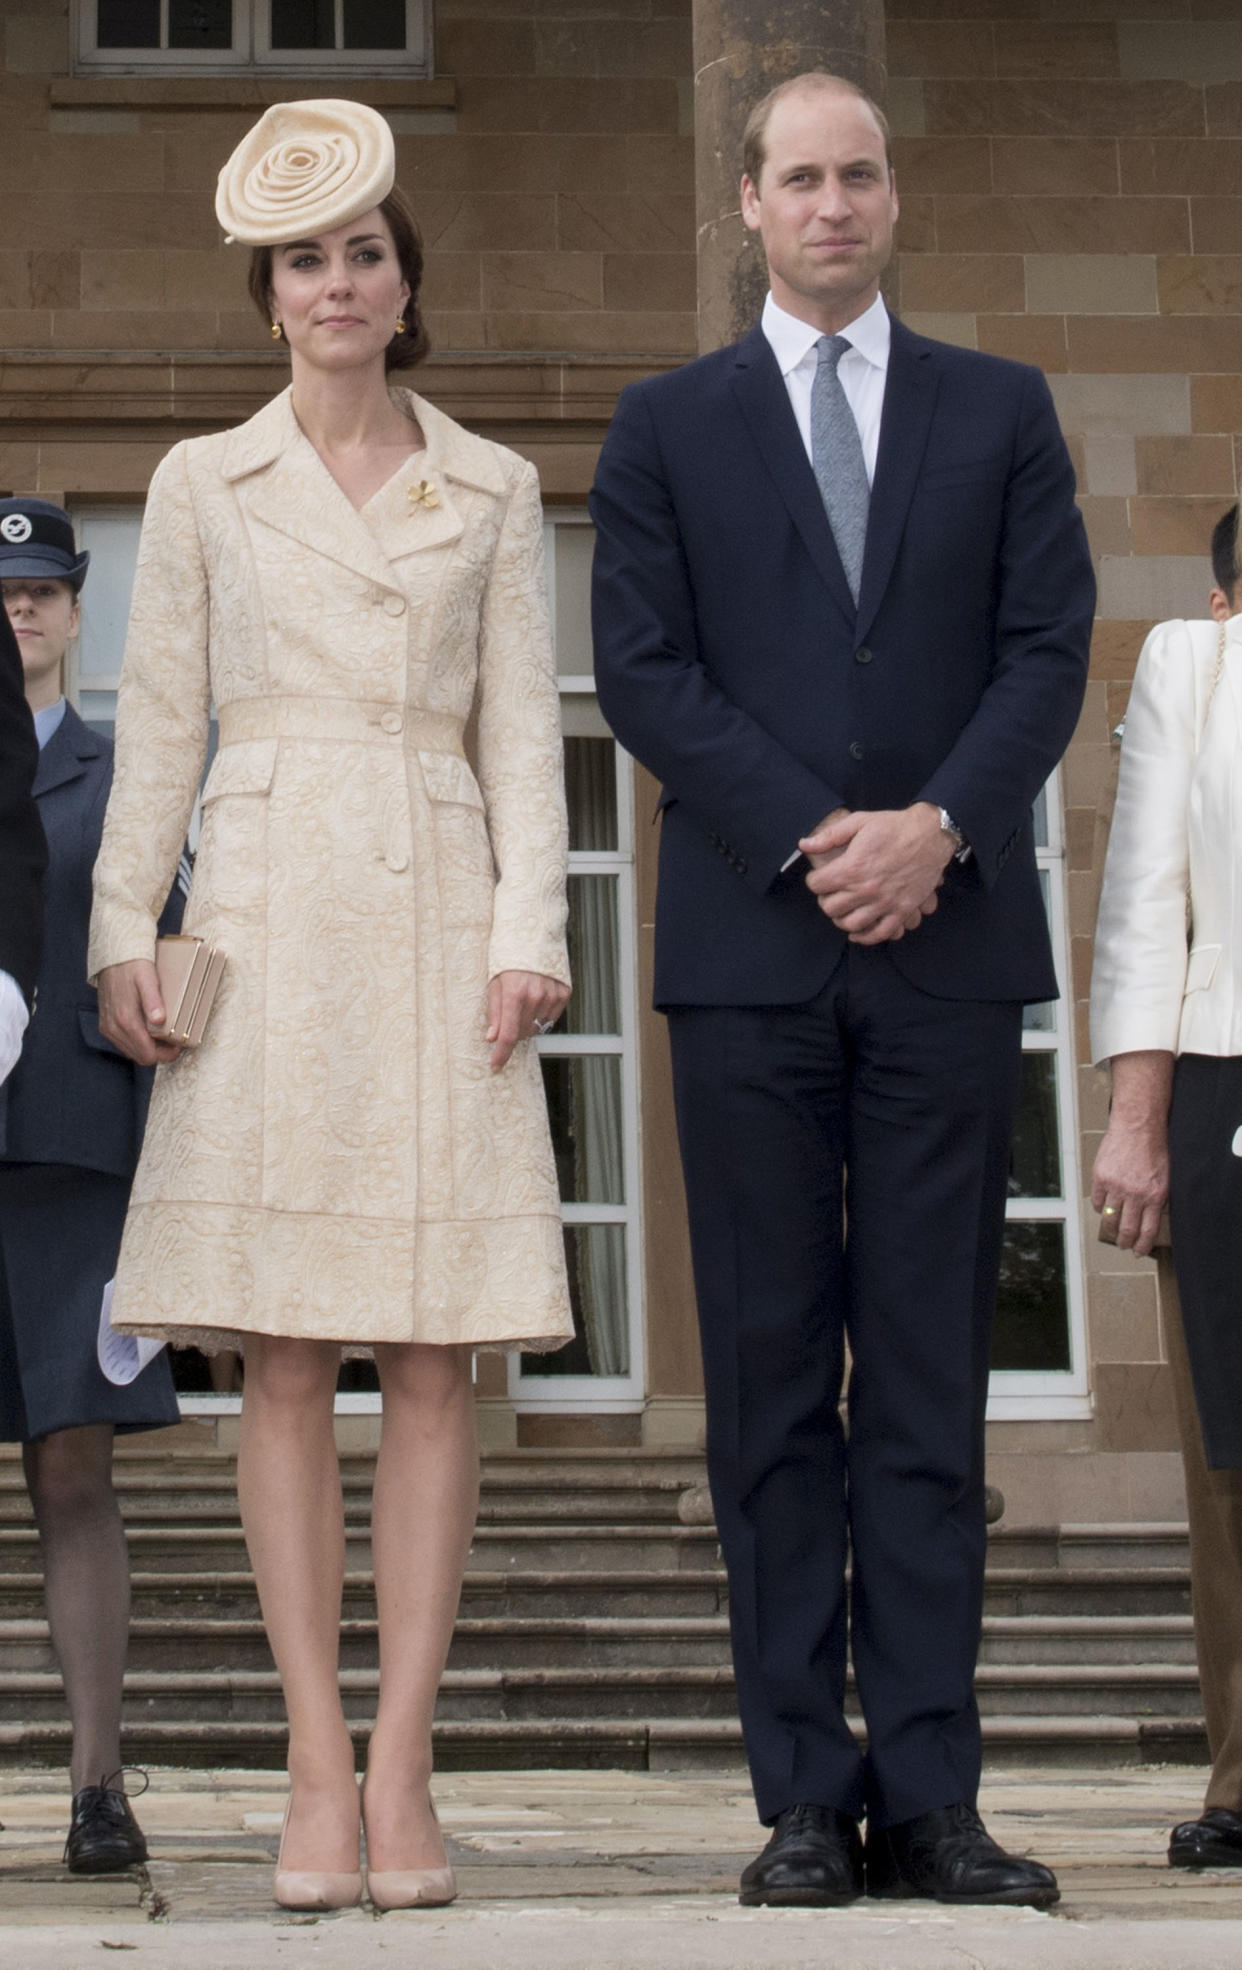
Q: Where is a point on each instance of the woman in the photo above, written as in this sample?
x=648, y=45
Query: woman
x=1165, y=1012
x=358, y=1156
x=70, y=1142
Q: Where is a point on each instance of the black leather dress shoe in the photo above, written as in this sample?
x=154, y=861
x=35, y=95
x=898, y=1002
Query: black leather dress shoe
x=813, y=1860
x=948, y=1856
x=104, y=1837
x=1213, y=1840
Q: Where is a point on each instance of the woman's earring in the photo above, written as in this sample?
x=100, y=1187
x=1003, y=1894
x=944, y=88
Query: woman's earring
x=277, y=331
x=401, y=325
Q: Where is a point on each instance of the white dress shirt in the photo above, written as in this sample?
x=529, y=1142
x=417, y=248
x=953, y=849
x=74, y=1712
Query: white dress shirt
x=48, y=721
x=863, y=369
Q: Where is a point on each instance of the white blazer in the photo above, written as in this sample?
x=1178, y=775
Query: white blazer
x=1168, y=945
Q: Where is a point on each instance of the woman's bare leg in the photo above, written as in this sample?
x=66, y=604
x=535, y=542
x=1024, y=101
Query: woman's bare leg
x=85, y=1587
x=289, y=1489
x=423, y=1512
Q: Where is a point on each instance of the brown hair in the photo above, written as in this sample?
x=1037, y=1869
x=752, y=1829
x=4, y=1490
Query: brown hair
x=754, y=151
x=404, y=351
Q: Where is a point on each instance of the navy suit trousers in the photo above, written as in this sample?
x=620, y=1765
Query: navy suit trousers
x=846, y=1165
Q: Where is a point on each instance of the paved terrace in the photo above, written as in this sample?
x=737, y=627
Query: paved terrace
x=604, y=1870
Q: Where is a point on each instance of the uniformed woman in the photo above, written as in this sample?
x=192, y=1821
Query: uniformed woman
x=72, y=1114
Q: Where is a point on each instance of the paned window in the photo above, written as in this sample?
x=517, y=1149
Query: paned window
x=189, y=35
x=589, y=1058
x=1039, y=1340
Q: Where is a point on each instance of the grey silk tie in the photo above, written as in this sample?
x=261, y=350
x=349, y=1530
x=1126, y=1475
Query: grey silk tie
x=837, y=455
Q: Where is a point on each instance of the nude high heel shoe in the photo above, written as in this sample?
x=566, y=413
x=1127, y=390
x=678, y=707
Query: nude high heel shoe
x=312, y=1887
x=410, y=1887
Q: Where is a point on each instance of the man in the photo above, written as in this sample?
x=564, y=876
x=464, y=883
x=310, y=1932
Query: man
x=23, y=857
x=842, y=605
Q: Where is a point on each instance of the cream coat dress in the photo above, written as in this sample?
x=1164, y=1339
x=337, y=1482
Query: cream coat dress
x=338, y=1160
x=1167, y=973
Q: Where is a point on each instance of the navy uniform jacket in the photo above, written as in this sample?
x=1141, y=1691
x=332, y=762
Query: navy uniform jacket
x=731, y=660
x=72, y=1098
x=23, y=852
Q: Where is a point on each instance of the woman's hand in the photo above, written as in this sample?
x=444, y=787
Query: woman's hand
x=520, y=1004
x=130, y=1004
x=1130, y=1182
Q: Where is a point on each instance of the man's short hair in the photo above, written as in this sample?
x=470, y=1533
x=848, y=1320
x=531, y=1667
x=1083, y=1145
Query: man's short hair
x=1225, y=551
x=754, y=136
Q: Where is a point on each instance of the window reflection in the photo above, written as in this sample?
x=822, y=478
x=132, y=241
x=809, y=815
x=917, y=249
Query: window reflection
x=584, y=1108
x=1035, y=1160
x=1032, y=1310
x=595, y=1258
x=596, y=1003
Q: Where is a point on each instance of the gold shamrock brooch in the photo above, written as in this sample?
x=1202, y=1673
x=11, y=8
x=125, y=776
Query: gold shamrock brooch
x=424, y=494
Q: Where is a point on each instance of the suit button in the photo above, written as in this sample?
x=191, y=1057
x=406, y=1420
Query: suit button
x=862, y=656
x=856, y=751
x=394, y=605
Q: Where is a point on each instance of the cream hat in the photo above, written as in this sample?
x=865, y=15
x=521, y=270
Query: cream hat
x=304, y=168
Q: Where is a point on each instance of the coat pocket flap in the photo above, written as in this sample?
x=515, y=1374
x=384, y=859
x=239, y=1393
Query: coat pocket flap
x=88, y=1023
x=447, y=776
x=246, y=767
x=1201, y=967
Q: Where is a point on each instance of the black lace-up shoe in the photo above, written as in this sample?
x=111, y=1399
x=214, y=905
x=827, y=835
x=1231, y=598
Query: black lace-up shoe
x=1213, y=1840
x=948, y=1856
x=813, y=1860
x=104, y=1837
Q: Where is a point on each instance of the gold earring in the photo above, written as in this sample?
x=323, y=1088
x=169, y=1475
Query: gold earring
x=400, y=324
x=277, y=331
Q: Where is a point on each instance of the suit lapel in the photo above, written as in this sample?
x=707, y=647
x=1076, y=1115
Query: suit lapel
x=67, y=754
x=764, y=403
x=909, y=399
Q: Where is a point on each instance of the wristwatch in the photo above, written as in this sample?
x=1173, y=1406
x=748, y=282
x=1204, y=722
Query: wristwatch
x=948, y=826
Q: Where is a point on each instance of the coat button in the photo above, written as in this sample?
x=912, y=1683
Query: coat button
x=397, y=860
x=856, y=751
x=394, y=605
x=862, y=656
x=391, y=721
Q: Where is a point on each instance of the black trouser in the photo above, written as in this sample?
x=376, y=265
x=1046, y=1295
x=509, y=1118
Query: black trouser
x=1205, y=1213
x=909, y=1099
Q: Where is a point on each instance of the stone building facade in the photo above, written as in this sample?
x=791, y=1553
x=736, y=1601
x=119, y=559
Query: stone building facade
x=1071, y=182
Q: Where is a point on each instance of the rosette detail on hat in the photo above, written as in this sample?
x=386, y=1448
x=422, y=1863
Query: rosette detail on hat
x=304, y=168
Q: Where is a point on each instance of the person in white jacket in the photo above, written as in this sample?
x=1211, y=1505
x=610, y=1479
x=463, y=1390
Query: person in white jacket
x=1166, y=1015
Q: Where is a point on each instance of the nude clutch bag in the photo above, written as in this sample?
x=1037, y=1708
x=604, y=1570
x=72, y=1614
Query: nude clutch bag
x=189, y=970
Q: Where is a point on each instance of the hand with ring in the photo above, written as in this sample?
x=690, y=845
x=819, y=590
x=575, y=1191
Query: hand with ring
x=1130, y=1181
x=521, y=1004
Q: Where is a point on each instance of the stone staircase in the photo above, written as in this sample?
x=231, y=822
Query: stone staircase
x=593, y=1628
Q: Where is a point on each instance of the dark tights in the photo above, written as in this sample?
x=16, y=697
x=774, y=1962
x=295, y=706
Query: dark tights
x=85, y=1585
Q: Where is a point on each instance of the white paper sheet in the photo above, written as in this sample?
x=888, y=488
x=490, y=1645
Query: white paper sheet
x=122, y=1356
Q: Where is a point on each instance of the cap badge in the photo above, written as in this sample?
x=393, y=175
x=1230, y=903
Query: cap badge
x=16, y=528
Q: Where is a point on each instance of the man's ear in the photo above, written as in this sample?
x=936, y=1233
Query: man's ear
x=750, y=203
x=1221, y=605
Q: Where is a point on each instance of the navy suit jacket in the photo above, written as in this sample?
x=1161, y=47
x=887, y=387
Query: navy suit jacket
x=72, y=1098
x=731, y=659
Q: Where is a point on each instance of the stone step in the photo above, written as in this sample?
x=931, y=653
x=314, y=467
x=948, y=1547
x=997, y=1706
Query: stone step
x=618, y=1743
x=195, y=1639
x=628, y=1547
x=519, y=1693
x=195, y=1596
x=161, y=1587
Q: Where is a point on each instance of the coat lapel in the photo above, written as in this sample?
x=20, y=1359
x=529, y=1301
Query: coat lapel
x=909, y=399
x=67, y=755
x=291, y=490
x=764, y=403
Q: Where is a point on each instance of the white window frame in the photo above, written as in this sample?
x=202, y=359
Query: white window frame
x=1054, y=1394
x=534, y=1394
x=251, y=47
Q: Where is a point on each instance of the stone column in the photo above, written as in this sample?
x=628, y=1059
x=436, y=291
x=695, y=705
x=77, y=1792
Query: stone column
x=743, y=48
